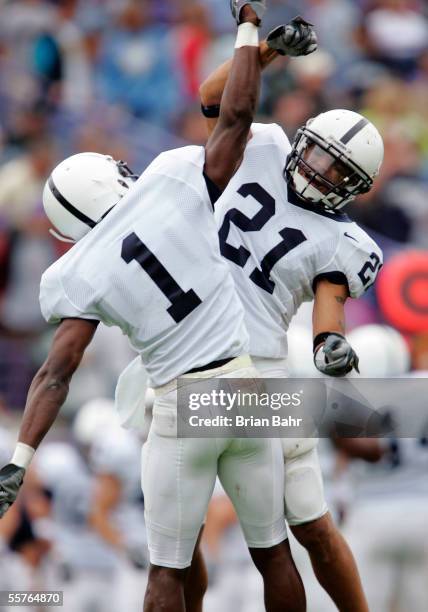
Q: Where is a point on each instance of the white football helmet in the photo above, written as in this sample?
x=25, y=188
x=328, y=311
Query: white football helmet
x=382, y=350
x=335, y=157
x=82, y=190
x=95, y=419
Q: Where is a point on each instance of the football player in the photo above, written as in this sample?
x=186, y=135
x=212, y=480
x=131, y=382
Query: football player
x=142, y=266
x=85, y=566
x=115, y=510
x=391, y=497
x=287, y=239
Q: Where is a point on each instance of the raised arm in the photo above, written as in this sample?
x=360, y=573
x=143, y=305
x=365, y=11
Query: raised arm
x=294, y=39
x=211, y=90
x=47, y=393
x=332, y=353
x=226, y=145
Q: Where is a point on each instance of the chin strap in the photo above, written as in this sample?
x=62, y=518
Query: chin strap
x=60, y=237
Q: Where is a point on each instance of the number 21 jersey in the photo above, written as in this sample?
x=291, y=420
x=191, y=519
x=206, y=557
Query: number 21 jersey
x=153, y=268
x=278, y=247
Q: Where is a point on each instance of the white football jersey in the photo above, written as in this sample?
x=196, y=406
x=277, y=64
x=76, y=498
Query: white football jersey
x=153, y=268
x=278, y=247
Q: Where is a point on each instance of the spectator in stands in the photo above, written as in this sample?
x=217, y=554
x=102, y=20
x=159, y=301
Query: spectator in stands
x=396, y=34
x=138, y=65
x=193, y=36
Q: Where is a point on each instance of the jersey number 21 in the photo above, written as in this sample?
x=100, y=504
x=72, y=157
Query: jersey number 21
x=291, y=238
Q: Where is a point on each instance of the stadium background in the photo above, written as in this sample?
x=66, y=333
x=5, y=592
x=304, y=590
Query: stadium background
x=122, y=77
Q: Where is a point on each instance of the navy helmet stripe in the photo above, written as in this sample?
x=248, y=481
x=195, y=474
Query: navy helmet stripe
x=354, y=130
x=68, y=206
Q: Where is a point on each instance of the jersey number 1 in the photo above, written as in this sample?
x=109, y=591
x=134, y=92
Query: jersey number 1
x=291, y=238
x=182, y=302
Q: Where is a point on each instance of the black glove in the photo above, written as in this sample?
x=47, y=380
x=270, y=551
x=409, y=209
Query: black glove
x=295, y=39
x=336, y=357
x=11, y=479
x=258, y=6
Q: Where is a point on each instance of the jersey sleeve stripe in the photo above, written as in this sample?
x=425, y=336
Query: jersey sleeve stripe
x=335, y=278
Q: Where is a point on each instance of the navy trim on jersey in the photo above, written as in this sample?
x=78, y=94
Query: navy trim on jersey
x=214, y=192
x=94, y=322
x=68, y=206
x=293, y=198
x=210, y=366
x=354, y=130
x=335, y=278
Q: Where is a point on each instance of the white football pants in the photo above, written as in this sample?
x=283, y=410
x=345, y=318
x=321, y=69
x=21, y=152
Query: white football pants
x=304, y=487
x=179, y=475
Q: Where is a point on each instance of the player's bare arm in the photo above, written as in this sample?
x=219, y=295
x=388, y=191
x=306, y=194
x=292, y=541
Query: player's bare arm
x=47, y=394
x=50, y=386
x=211, y=90
x=332, y=353
x=367, y=449
x=292, y=39
x=105, y=501
x=329, y=308
x=227, y=142
x=107, y=496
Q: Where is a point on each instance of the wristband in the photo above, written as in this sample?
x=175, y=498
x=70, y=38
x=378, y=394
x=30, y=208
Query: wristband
x=23, y=455
x=248, y=35
x=320, y=338
x=211, y=112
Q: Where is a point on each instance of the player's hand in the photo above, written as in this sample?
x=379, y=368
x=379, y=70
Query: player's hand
x=11, y=479
x=258, y=6
x=335, y=357
x=295, y=39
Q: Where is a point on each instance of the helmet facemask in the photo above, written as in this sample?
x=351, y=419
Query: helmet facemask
x=322, y=172
x=124, y=183
x=125, y=171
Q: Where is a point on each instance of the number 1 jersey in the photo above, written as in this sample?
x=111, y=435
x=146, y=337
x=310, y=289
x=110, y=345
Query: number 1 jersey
x=153, y=268
x=278, y=247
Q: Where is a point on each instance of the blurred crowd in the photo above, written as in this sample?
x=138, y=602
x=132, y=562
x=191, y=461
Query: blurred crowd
x=122, y=77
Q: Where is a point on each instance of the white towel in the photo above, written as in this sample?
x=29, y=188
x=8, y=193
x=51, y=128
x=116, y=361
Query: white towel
x=130, y=395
